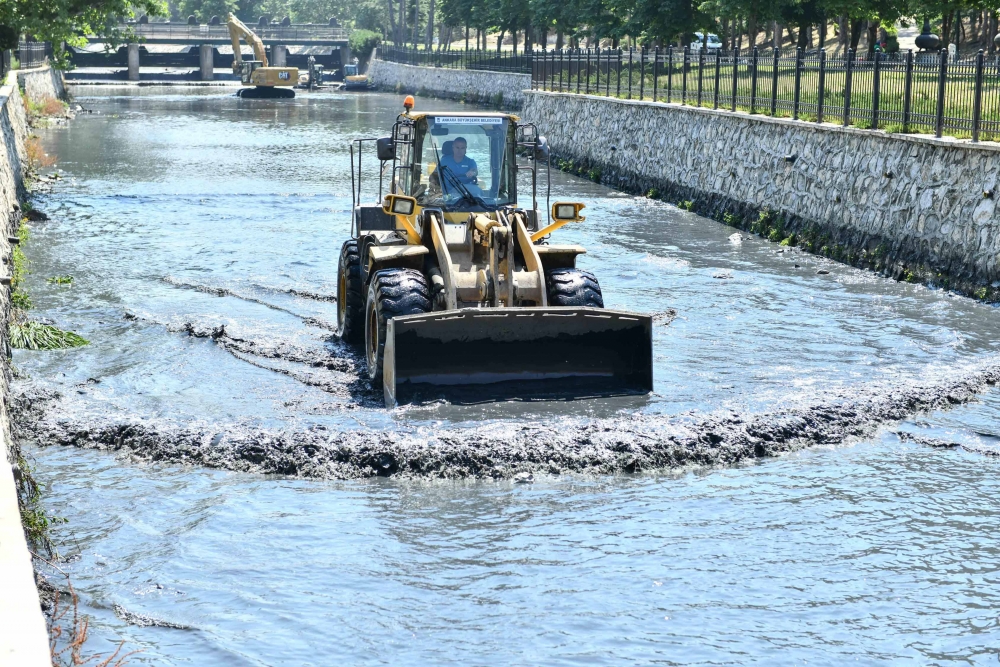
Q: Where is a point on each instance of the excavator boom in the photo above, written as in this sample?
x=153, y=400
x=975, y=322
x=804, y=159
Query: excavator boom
x=238, y=31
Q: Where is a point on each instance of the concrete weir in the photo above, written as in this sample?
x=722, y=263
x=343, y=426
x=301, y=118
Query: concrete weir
x=23, y=636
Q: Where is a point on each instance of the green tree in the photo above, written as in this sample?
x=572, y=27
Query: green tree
x=64, y=21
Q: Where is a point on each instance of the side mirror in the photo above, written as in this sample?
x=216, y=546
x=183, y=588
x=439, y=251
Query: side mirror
x=542, y=149
x=567, y=212
x=385, y=148
x=399, y=204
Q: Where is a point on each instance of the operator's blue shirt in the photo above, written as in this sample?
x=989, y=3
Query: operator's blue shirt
x=457, y=169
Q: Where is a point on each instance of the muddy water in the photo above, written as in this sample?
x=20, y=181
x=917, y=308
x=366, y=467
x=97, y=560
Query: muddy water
x=202, y=234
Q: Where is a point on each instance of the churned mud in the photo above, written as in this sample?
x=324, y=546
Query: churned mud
x=626, y=444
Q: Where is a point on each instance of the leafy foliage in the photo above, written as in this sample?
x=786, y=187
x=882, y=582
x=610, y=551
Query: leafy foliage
x=65, y=21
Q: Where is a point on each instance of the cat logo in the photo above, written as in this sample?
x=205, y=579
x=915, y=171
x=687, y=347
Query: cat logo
x=283, y=76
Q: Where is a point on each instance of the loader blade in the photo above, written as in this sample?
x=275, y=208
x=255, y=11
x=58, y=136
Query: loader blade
x=477, y=354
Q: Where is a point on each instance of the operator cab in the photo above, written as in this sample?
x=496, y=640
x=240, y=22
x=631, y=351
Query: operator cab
x=459, y=162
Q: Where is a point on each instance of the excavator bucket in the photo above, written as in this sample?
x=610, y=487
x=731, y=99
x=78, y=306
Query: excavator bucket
x=474, y=354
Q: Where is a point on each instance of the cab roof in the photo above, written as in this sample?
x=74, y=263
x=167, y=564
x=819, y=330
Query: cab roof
x=415, y=115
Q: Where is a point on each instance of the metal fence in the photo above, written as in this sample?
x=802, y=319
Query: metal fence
x=907, y=92
x=32, y=54
x=494, y=61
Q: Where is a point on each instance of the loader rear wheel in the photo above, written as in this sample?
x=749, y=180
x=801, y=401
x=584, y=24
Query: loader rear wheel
x=393, y=293
x=350, y=298
x=573, y=287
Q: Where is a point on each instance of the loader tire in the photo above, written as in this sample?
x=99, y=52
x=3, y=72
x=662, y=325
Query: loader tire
x=573, y=287
x=350, y=297
x=393, y=293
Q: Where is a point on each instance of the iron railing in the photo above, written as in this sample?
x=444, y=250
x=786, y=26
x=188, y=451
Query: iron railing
x=494, y=61
x=906, y=92
x=302, y=32
x=32, y=54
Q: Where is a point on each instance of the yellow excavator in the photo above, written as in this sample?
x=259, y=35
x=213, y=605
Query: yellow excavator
x=268, y=82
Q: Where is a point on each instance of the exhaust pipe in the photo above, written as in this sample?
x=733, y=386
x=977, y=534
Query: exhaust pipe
x=475, y=354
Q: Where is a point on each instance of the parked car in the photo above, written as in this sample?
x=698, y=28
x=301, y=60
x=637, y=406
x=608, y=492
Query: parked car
x=713, y=42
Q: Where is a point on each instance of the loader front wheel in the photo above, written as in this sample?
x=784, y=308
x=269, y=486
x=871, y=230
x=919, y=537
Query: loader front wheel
x=393, y=293
x=350, y=299
x=573, y=287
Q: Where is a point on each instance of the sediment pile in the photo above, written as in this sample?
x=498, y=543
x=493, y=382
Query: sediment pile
x=627, y=444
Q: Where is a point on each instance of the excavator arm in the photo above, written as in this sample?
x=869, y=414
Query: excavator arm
x=237, y=31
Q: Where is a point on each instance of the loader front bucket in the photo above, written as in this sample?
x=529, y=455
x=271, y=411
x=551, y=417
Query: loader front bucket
x=477, y=354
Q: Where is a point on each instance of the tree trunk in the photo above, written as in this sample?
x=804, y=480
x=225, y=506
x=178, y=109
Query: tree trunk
x=872, y=36
x=500, y=40
x=844, y=38
x=752, y=31
x=822, y=33
x=559, y=40
x=946, y=26
x=392, y=23
x=804, y=37
x=856, y=26
x=430, y=23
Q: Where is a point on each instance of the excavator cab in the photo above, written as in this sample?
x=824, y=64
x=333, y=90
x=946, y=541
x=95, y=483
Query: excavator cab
x=451, y=285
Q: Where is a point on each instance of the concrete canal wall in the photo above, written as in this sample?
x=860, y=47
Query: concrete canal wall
x=41, y=82
x=23, y=636
x=499, y=88
x=915, y=207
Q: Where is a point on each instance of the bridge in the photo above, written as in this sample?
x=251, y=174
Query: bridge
x=277, y=36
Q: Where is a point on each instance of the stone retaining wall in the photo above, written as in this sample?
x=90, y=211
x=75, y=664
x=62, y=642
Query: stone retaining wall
x=916, y=207
x=498, y=88
x=23, y=636
x=41, y=82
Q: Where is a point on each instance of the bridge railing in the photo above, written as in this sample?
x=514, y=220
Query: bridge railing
x=32, y=54
x=184, y=31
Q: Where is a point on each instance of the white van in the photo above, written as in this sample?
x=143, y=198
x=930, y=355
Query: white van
x=713, y=42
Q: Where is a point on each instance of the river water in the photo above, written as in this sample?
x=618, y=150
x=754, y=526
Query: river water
x=184, y=212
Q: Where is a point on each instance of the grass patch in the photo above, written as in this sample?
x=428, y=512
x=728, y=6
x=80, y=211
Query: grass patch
x=28, y=334
x=686, y=205
x=60, y=280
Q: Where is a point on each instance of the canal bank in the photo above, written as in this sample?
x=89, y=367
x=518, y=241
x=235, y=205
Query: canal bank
x=23, y=636
x=914, y=207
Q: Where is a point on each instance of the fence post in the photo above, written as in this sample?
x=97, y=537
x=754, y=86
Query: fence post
x=848, y=70
x=562, y=66
x=942, y=81
x=701, y=69
x=578, y=69
x=876, y=85
x=670, y=72
x=753, y=82
x=774, y=83
x=736, y=68
x=684, y=75
x=977, y=103
x=630, y=73
x=588, y=72
x=607, y=79
x=656, y=62
x=908, y=90
x=642, y=73
x=718, y=63
x=597, y=86
x=822, y=86
x=798, y=83
x=618, y=84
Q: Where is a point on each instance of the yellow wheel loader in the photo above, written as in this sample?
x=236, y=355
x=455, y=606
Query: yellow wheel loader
x=268, y=81
x=453, y=289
